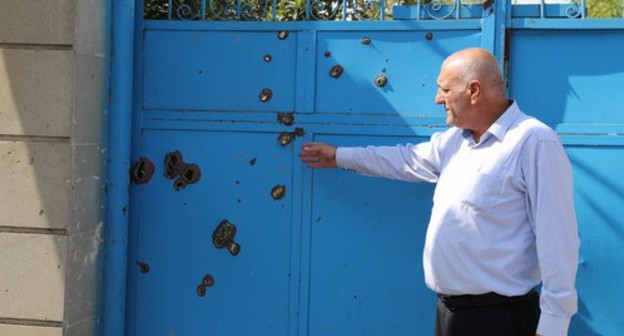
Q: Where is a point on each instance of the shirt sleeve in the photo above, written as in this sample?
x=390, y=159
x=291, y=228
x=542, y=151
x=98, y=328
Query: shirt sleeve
x=550, y=205
x=412, y=163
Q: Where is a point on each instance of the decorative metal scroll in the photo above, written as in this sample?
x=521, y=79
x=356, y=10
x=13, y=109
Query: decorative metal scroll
x=572, y=10
x=345, y=10
x=575, y=10
x=296, y=10
x=332, y=10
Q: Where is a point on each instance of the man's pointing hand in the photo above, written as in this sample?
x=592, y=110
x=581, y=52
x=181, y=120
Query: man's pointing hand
x=318, y=155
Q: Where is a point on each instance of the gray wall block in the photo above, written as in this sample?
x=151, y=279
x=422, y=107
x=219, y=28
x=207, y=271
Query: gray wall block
x=32, y=285
x=37, y=178
x=36, y=21
x=36, y=88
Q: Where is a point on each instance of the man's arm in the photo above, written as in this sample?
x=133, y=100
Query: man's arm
x=548, y=177
x=413, y=163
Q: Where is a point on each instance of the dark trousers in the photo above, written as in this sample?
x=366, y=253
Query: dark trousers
x=487, y=315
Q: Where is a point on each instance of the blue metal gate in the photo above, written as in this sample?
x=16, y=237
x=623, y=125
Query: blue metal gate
x=231, y=235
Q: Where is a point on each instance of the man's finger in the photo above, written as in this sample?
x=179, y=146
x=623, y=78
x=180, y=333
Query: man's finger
x=308, y=144
x=306, y=153
x=309, y=159
x=312, y=147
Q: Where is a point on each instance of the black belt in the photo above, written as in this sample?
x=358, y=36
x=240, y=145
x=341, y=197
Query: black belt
x=454, y=302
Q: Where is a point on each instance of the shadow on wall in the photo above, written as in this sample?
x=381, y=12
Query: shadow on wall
x=35, y=154
x=572, y=80
x=581, y=324
x=50, y=153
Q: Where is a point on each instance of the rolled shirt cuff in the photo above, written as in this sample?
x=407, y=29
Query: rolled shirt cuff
x=345, y=157
x=552, y=325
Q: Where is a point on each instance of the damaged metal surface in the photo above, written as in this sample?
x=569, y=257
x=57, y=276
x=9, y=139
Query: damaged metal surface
x=381, y=81
x=190, y=175
x=144, y=267
x=142, y=171
x=278, y=192
x=286, y=118
x=208, y=280
x=285, y=138
x=266, y=95
x=201, y=290
x=336, y=71
x=234, y=248
x=223, y=236
x=282, y=35
x=173, y=164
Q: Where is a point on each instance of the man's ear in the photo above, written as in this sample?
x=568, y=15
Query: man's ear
x=475, y=89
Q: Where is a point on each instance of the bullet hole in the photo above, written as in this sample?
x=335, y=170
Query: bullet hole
x=278, y=192
x=201, y=290
x=144, y=267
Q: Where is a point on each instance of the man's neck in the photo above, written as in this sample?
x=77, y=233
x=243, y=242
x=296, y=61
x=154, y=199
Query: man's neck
x=492, y=115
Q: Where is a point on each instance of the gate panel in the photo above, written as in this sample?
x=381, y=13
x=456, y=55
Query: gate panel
x=367, y=237
x=572, y=79
x=219, y=70
x=340, y=254
x=568, y=76
x=410, y=60
x=599, y=195
x=251, y=291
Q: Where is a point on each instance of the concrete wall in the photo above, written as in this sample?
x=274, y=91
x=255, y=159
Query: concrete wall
x=52, y=129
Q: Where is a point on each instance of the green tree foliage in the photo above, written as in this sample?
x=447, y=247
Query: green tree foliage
x=602, y=9
x=155, y=9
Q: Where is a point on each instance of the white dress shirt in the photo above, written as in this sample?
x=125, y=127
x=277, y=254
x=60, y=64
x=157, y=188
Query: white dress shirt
x=503, y=215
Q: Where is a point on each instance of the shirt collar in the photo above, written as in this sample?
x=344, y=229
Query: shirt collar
x=500, y=127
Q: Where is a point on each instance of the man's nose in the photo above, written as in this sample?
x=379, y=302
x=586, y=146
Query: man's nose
x=439, y=99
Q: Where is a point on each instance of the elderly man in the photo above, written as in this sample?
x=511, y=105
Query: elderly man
x=503, y=218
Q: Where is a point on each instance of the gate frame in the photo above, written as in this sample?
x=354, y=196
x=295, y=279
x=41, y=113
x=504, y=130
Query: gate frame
x=125, y=94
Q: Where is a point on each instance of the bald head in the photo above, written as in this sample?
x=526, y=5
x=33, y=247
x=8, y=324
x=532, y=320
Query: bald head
x=477, y=64
x=472, y=90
